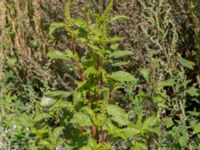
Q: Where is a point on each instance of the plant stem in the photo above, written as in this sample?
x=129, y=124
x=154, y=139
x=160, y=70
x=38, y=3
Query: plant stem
x=78, y=64
x=149, y=142
x=94, y=132
x=102, y=136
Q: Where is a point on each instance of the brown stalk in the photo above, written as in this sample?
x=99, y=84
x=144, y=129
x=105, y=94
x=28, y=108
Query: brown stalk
x=94, y=132
x=149, y=143
x=102, y=140
x=78, y=64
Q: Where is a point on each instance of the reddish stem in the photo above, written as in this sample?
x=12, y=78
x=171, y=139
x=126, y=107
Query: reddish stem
x=78, y=64
x=94, y=132
x=102, y=140
x=149, y=143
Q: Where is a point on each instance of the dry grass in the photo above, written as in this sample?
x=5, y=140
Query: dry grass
x=2, y=24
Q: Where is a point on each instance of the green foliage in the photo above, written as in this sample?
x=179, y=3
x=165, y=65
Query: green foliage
x=186, y=63
x=122, y=76
x=110, y=101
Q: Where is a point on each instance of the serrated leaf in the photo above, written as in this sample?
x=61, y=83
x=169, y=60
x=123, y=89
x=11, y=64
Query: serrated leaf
x=169, y=122
x=122, y=63
x=120, y=54
x=145, y=73
x=150, y=121
x=128, y=132
x=58, y=94
x=194, y=113
x=182, y=140
x=57, y=131
x=59, y=105
x=91, y=70
x=55, y=25
x=185, y=83
x=193, y=91
x=25, y=121
x=47, y=101
x=117, y=132
x=155, y=130
x=55, y=54
x=186, y=63
x=169, y=82
x=114, y=46
x=81, y=23
x=153, y=52
x=69, y=53
x=118, y=114
x=46, y=144
x=122, y=76
x=42, y=116
x=196, y=128
x=81, y=119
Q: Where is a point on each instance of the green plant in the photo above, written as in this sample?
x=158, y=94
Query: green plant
x=102, y=105
x=92, y=97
